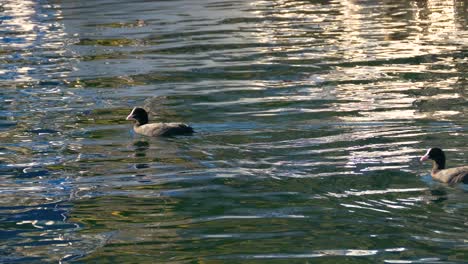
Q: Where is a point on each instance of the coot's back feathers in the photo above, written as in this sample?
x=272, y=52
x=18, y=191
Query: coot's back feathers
x=163, y=129
x=453, y=175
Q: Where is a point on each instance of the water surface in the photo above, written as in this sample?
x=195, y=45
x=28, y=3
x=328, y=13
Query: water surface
x=310, y=118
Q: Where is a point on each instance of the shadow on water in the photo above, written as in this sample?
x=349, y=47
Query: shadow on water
x=310, y=117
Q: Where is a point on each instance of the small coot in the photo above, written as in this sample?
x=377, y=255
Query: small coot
x=440, y=173
x=141, y=125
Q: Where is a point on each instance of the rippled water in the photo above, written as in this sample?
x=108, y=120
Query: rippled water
x=310, y=117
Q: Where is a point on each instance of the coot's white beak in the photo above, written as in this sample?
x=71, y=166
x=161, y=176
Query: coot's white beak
x=130, y=116
x=426, y=156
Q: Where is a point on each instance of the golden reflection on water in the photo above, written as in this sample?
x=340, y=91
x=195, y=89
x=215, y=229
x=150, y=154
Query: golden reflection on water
x=364, y=34
x=359, y=26
x=372, y=81
x=33, y=28
x=379, y=33
x=21, y=13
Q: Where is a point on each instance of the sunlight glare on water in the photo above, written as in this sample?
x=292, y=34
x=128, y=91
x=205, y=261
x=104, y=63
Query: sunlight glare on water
x=310, y=118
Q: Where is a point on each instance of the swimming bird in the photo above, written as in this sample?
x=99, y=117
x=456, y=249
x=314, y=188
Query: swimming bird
x=141, y=125
x=440, y=173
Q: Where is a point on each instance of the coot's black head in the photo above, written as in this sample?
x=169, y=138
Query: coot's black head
x=139, y=115
x=435, y=154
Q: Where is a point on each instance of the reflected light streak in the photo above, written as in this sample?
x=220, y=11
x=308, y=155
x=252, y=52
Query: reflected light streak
x=32, y=29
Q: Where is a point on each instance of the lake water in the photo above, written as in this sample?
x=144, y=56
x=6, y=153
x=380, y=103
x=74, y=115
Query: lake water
x=310, y=118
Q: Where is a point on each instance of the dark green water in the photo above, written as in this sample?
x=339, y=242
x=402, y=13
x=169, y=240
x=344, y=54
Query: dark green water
x=311, y=116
